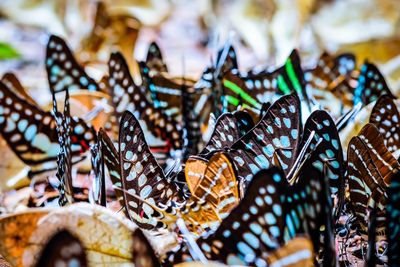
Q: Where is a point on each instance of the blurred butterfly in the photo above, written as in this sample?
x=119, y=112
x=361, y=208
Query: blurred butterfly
x=126, y=96
x=31, y=133
x=63, y=70
x=371, y=85
x=385, y=116
x=332, y=73
x=12, y=82
x=154, y=58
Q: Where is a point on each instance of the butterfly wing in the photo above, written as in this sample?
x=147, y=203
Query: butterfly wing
x=276, y=136
x=12, y=82
x=63, y=70
x=250, y=231
x=143, y=180
x=371, y=85
x=393, y=221
x=126, y=96
x=386, y=117
x=225, y=133
x=31, y=132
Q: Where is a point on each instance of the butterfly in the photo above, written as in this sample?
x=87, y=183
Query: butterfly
x=385, y=116
x=263, y=85
x=371, y=85
x=326, y=149
x=270, y=212
x=63, y=70
x=274, y=138
x=31, y=133
x=393, y=221
x=63, y=249
x=126, y=96
x=225, y=133
x=64, y=164
x=213, y=181
x=370, y=168
x=331, y=72
x=97, y=160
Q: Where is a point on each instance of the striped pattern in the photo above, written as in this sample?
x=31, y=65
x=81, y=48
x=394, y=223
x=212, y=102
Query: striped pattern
x=370, y=169
x=386, y=118
x=63, y=71
x=273, y=141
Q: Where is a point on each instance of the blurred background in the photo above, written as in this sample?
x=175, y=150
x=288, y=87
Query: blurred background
x=189, y=32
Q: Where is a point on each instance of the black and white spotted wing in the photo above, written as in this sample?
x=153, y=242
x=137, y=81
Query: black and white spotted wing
x=63, y=70
x=225, y=133
x=63, y=249
x=385, y=116
x=273, y=141
x=127, y=96
x=327, y=152
x=31, y=133
x=64, y=163
x=141, y=175
x=371, y=85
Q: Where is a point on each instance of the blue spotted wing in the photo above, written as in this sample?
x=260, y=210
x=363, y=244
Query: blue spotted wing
x=63, y=70
x=127, y=96
x=371, y=85
x=273, y=141
x=385, y=116
x=63, y=249
x=244, y=121
x=31, y=133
